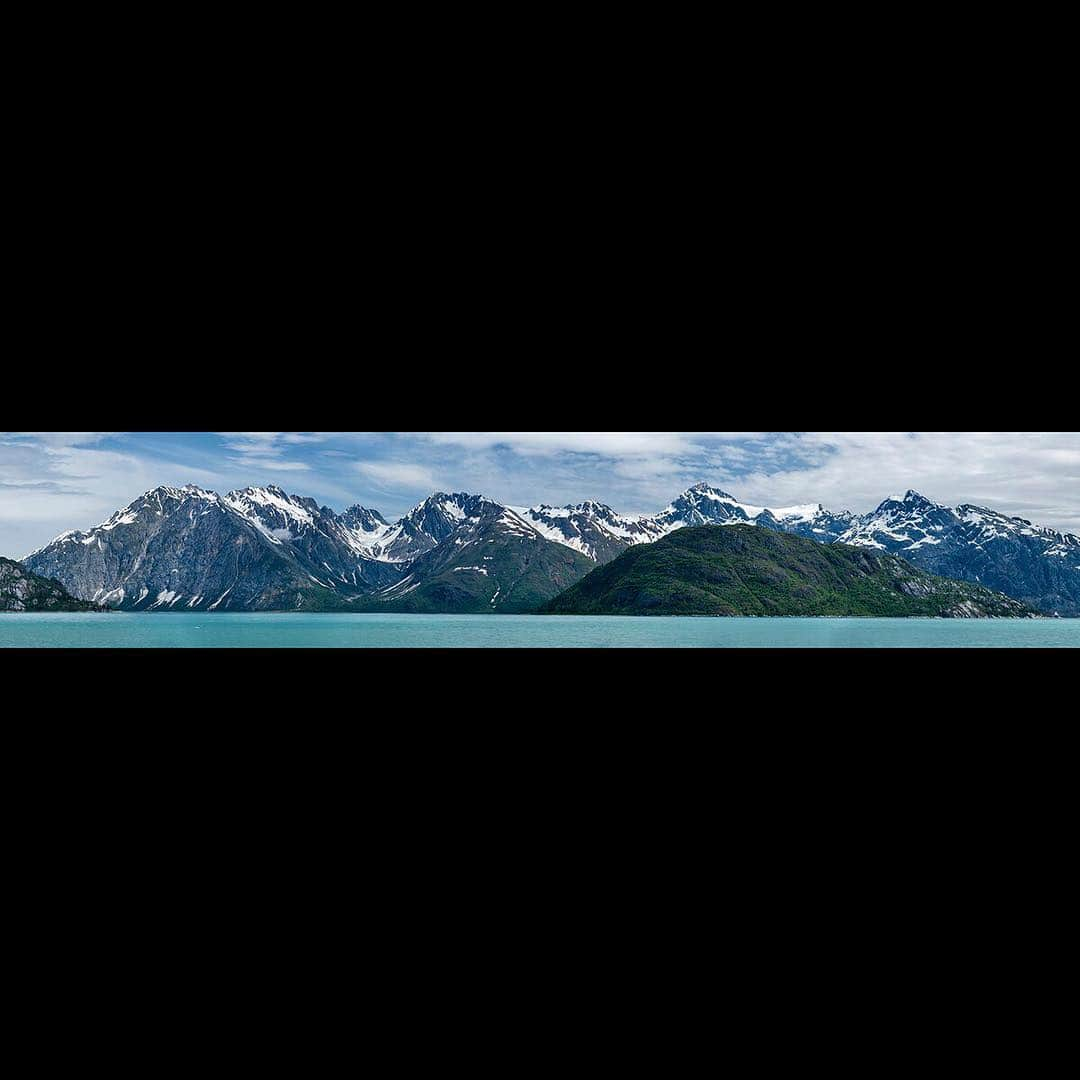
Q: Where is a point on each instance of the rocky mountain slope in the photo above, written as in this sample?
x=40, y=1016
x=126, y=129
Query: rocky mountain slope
x=22, y=591
x=760, y=572
x=193, y=550
x=494, y=562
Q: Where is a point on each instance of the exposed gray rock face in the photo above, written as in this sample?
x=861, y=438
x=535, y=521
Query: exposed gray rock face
x=332, y=548
x=21, y=590
x=189, y=549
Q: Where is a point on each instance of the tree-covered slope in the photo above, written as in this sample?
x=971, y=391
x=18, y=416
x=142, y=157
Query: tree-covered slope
x=742, y=570
x=21, y=590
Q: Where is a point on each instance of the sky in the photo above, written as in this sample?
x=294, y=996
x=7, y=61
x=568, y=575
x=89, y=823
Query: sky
x=52, y=481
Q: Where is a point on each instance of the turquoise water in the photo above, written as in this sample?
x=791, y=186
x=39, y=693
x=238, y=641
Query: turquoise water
x=188, y=631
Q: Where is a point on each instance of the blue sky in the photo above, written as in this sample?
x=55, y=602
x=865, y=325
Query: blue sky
x=54, y=481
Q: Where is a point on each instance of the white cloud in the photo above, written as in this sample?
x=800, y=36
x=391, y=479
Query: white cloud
x=606, y=443
x=1033, y=474
x=268, y=450
x=398, y=476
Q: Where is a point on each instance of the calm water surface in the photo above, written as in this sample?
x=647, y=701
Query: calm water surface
x=225, y=631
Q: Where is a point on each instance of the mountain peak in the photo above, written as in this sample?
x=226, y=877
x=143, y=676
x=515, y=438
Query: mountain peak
x=438, y=498
x=913, y=499
x=365, y=518
x=709, y=490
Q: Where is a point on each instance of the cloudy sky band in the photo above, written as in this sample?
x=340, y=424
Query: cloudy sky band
x=53, y=481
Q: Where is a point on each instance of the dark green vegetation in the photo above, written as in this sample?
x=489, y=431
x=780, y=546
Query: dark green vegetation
x=744, y=571
x=22, y=591
x=499, y=570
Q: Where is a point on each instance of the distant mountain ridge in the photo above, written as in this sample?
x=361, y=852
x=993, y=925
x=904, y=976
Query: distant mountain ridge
x=264, y=549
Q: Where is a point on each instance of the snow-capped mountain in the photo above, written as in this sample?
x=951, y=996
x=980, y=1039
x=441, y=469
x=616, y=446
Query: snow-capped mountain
x=423, y=529
x=190, y=549
x=335, y=547
x=971, y=543
x=902, y=522
x=494, y=561
x=428, y=525
x=591, y=528
x=599, y=532
x=705, y=505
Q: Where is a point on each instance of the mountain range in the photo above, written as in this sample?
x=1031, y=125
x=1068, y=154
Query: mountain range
x=262, y=549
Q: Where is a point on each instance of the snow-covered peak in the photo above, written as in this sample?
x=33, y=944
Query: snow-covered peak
x=987, y=526
x=446, y=508
x=443, y=499
x=164, y=493
x=707, y=491
x=156, y=503
x=159, y=501
x=903, y=524
x=912, y=501
x=592, y=528
x=705, y=505
x=279, y=516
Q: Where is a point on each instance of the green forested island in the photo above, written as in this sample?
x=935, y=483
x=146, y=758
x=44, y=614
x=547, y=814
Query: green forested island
x=744, y=570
